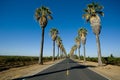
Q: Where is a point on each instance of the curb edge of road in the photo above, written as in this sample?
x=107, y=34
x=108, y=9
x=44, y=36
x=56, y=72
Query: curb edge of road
x=99, y=73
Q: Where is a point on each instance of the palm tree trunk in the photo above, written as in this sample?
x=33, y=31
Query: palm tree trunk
x=84, y=53
x=79, y=52
x=99, y=50
x=58, y=53
x=41, y=51
x=53, y=59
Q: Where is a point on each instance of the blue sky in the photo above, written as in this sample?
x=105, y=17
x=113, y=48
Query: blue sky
x=20, y=33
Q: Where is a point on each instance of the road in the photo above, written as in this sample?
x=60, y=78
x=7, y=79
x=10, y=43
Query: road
x=66, y=70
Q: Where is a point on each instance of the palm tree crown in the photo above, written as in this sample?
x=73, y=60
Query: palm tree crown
x=54, y=33
x=42, y=14
x=93, y=9
x=58, y=41
x=82, y=32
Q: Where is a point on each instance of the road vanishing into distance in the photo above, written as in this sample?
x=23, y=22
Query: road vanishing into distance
x=66, y=70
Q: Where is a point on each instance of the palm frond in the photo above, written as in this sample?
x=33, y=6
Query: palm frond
x=85, y=10
x=43, y=11
x=49, y=17
x=92, y=9
x=100, y=13
x=86, y=16
x=82, y=31
x=53, y=31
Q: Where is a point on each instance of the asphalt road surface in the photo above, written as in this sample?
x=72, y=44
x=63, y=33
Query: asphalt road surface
x=66, y=70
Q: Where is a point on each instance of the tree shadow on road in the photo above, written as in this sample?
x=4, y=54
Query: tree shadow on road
x=78, y=66
x=41, y=74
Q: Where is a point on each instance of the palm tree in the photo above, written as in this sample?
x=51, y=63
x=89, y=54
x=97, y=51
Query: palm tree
x=78, y=41
x=42, y=15
x=71, y=52
x=61, y=46
x=58, y=41
x=65, y=53
x=75, y=48
x=92, y=16
x=53, y=33
x=82, y=33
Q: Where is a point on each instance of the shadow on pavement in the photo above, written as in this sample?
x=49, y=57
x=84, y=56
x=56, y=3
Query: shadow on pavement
x=75, y=66
x=81, y=67
x=52, y=72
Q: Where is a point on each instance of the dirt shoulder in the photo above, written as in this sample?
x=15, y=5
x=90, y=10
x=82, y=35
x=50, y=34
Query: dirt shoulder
x=25, y=71
x=110, y=71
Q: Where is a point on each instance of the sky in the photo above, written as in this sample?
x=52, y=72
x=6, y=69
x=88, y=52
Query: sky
x=20, y=33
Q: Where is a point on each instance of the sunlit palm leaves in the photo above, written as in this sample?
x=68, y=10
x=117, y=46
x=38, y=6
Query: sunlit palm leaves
x=42, y=15
x=93, y=9
x=53, y=33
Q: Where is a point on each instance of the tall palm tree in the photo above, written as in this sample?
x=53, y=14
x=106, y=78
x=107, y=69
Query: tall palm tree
x=82, y=33
x=58, y=41
x=78, y=41
x=42, y=15
x=54, y=34
x=61, y=46
x=92, y=16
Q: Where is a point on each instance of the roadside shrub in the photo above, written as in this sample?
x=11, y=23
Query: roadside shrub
x=106, y=60
x=7, y=62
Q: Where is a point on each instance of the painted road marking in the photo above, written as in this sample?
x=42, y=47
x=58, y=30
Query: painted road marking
x=67, y=72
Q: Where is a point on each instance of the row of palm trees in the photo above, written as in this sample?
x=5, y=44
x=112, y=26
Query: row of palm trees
x=42, y=15
x=92, y=15
x=81, y=38
x=54, y=35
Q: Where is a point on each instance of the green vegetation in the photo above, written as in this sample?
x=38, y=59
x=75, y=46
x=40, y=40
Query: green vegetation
x=106, y=60
x=7, y=62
